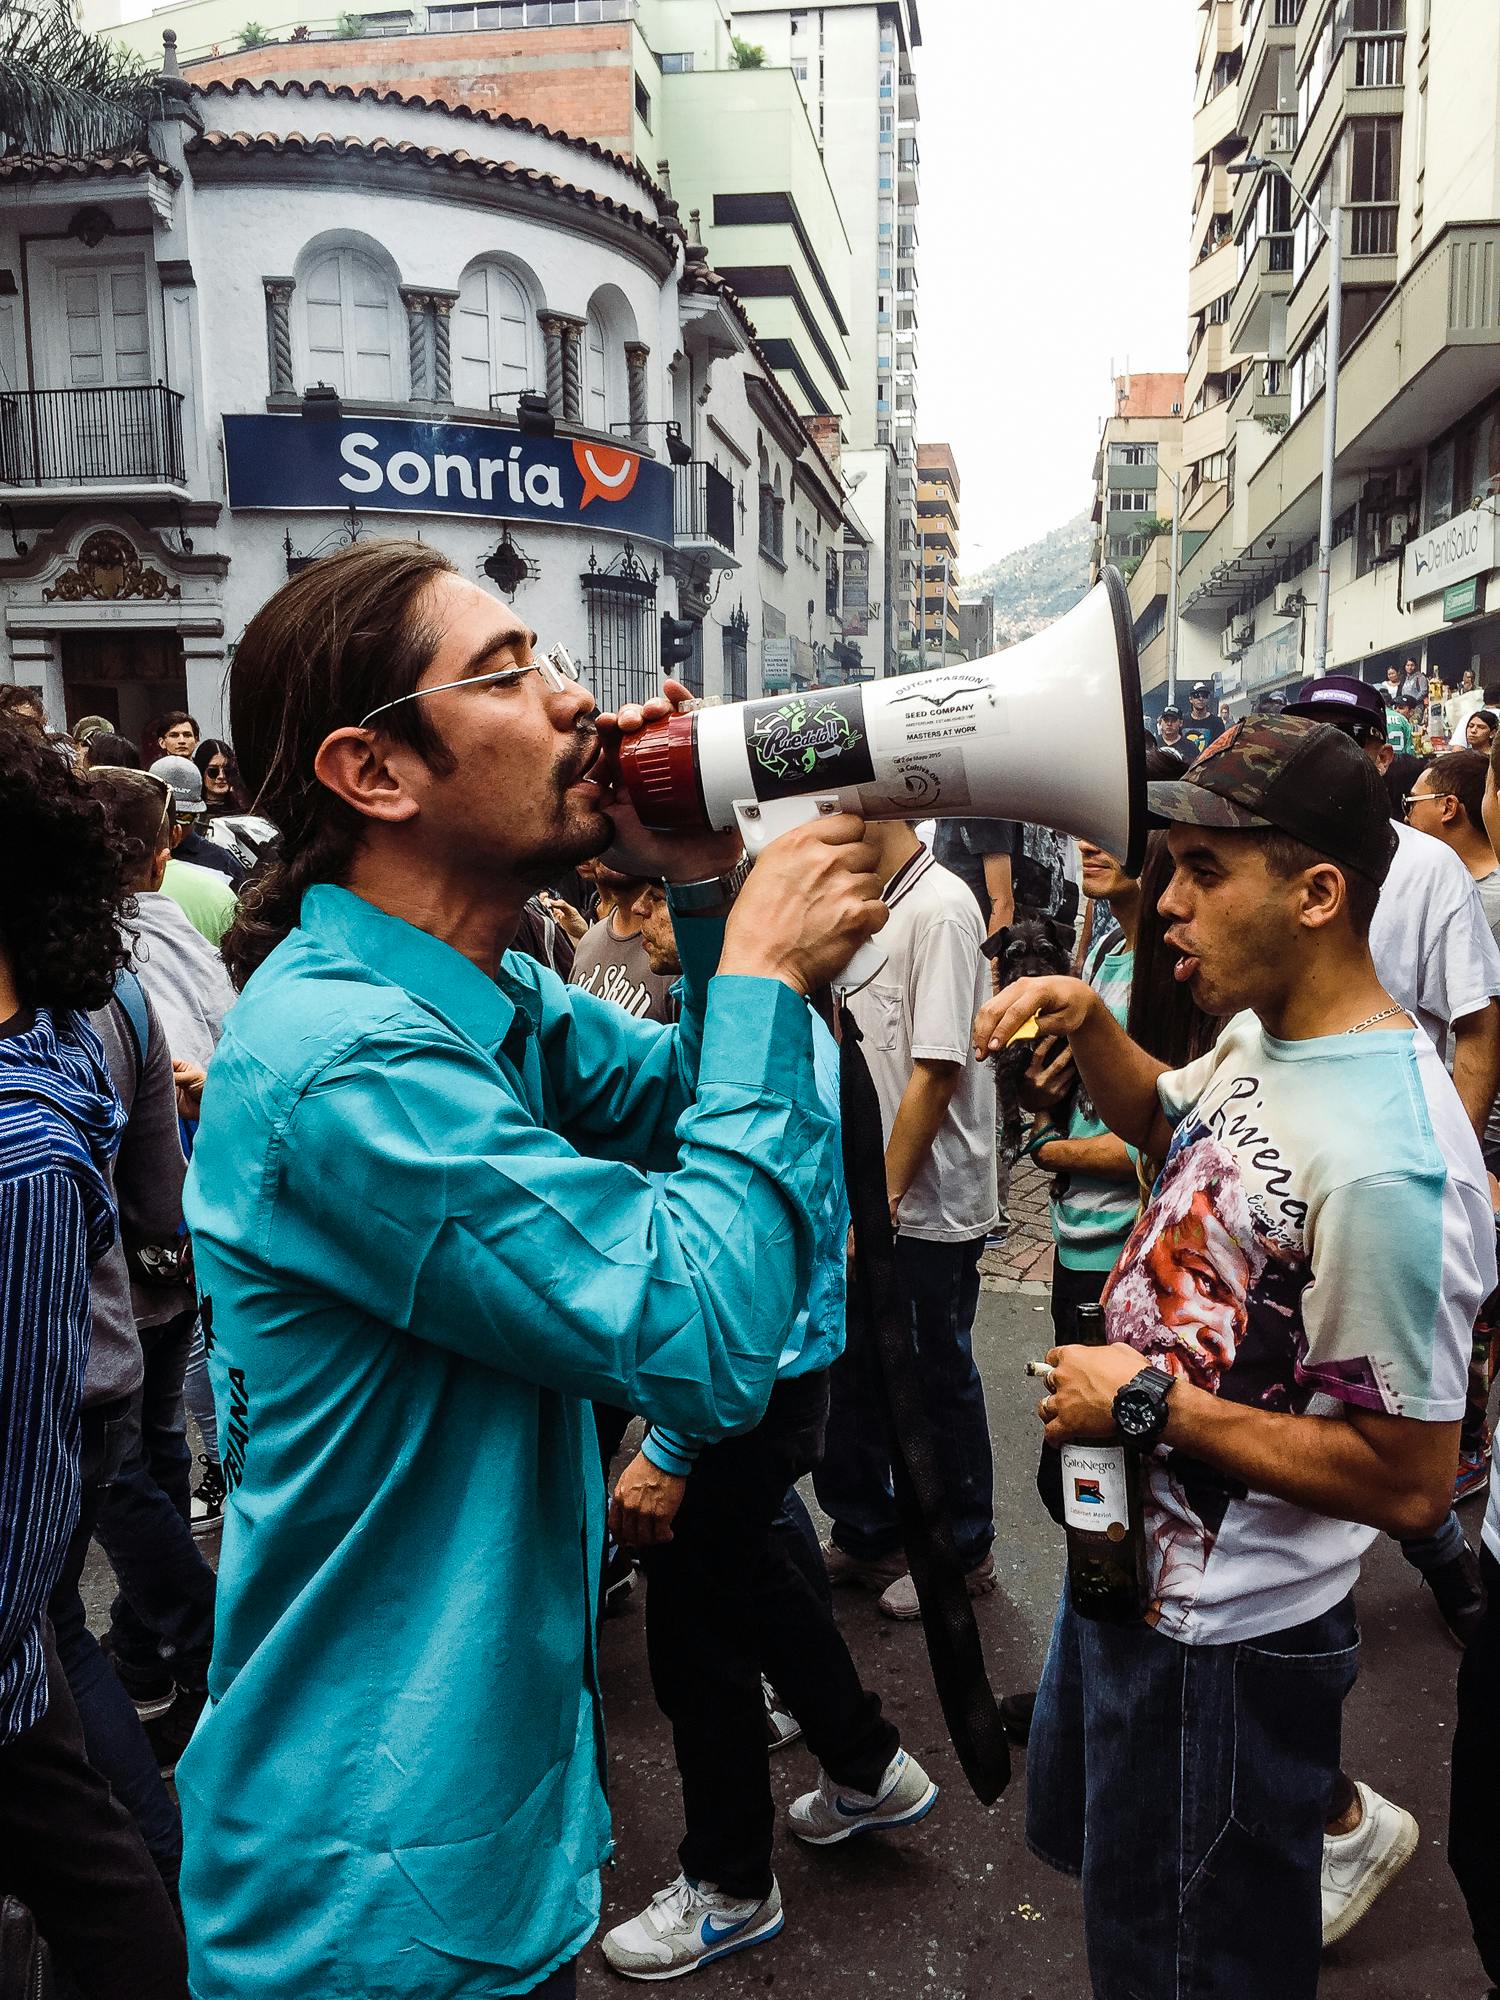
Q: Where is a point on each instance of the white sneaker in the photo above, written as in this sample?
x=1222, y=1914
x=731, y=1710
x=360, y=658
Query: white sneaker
x=686, y=1925
x=782, y=1727
x=832, y=1813
x=1358, y=1866
x=900, y=1601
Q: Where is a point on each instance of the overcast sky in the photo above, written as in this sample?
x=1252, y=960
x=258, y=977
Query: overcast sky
x=1055, y=139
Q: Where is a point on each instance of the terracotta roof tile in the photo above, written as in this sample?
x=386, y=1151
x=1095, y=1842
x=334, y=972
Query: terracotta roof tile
x=298, y=144
x=97, y=166
x=303, y=88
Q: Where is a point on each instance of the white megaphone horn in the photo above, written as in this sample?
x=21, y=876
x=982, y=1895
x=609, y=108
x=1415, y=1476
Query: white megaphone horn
x=1049, y=731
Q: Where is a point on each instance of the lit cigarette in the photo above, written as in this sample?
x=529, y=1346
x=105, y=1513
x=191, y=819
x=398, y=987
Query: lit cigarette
x=1041, y=1368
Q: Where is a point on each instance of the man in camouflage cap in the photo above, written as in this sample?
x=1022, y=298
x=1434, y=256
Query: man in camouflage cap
x=1314, y=1248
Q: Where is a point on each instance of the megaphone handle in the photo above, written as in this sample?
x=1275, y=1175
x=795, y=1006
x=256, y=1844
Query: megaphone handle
x=761, y=820
x=865, y=965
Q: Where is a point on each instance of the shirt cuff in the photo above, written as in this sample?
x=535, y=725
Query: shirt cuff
x=670, y=1452
x=699, y=942
x=758, y=1035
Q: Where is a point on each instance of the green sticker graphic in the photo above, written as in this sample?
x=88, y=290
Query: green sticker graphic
x=807, y=741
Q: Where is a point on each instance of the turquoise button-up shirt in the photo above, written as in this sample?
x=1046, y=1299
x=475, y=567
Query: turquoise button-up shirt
x=420, y=1249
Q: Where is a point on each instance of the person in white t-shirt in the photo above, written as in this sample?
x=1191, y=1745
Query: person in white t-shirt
x=937, y=1111
x=1288, y=1346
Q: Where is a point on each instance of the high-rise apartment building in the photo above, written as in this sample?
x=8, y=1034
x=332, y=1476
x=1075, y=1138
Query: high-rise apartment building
x=853, y=60
x=937, y=545
x=1385, y=116
x=1139, y=455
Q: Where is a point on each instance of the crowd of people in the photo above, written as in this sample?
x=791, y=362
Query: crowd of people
x=404, y=1127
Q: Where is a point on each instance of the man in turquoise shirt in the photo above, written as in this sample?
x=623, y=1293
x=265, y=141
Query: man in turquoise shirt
x=420, y=1250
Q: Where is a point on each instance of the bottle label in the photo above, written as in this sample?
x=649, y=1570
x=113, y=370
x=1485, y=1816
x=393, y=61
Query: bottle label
x=1094, y=1490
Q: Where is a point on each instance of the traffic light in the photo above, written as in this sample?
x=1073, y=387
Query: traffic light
x=676, y=641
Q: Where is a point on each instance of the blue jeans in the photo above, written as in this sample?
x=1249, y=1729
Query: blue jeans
x=164, y=1613
x=940, y=1289
x=198, y=1392
x=1188, y=1786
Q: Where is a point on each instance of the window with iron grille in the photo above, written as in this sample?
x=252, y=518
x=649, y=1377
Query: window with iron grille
x=621, y=600
x=737, y=658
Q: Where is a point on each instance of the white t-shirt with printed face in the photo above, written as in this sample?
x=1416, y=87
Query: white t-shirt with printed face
x=1430, y=940
x=922, y=1003
x=1320, y=1236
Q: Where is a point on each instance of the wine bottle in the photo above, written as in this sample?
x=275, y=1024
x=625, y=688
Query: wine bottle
x=1103, y=1516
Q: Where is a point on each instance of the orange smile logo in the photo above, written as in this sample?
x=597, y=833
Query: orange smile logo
x=606, y=474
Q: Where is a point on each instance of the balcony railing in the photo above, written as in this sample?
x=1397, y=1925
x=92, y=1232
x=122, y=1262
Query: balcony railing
x=83, y=437
x=1372, y=229
x=1379, y=62
x=703, y=506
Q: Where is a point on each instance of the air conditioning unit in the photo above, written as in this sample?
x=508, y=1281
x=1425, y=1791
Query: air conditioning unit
x=1292, y=605
x=1397, y=529
x=1231, y=643
x=1243, y=634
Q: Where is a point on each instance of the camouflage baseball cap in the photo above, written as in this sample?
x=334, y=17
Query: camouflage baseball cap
x=1301, y=777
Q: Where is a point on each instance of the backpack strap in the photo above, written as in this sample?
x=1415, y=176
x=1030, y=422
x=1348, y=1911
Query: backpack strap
x=132, y=998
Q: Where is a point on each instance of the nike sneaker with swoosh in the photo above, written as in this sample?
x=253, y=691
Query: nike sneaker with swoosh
x=689, y=1924
x=833, y=1812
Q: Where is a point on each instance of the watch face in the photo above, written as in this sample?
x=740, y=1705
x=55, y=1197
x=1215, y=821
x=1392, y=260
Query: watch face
x=1138, y=1411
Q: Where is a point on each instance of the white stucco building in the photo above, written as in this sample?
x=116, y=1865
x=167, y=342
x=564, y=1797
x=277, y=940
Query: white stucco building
x=496, y=324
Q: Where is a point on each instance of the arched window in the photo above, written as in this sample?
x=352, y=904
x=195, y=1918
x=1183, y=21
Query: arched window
x=605, y=396
x=352, y=319
x=495, y=344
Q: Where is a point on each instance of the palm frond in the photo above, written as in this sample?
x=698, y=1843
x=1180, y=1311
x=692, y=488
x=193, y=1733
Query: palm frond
x=67, y=93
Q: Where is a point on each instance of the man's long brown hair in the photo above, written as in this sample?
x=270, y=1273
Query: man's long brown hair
x=334, y=643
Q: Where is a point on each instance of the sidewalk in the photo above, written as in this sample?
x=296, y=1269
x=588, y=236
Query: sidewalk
x=1023, y=1263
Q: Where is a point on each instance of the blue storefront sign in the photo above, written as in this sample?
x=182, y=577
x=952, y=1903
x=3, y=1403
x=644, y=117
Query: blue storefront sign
x=408, y=466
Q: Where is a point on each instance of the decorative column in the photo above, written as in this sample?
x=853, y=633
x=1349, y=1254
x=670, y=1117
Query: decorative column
x=416, y=304
x=552, y=340
x=442, y=304
x=572, y=367
x=279, y=335
x=637, y=353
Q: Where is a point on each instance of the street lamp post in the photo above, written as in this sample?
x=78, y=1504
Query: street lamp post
x=1176, y=479
x=1333, y=232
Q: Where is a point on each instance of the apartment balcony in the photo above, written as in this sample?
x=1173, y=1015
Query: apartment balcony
x=908, y=111
x=703, y=514
x=1273, y=28
x=1212, y=276
x=1214, y=197
x=1214, y=122
x=1273, y=138
x=1365, y=82
x=1370, y=229
x=908, y=185
x=1430, y=354
x=1263, y=393
x=1265, y=280
x=121, y=439
x=1209, y=357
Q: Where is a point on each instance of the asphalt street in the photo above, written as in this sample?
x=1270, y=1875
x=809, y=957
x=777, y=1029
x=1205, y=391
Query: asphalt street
x=956, y=1906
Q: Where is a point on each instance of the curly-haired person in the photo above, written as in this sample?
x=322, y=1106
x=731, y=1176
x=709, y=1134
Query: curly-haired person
x=67, y=1849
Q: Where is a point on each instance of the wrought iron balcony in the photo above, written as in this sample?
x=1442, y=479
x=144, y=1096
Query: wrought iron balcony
x=91, y=437
x=703, y=513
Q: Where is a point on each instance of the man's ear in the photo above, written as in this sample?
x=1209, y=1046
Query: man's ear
x=1325, y=893
x=357, y=769
x=157, y=872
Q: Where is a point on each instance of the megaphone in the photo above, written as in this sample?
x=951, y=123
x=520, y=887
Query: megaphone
x=1048, y=731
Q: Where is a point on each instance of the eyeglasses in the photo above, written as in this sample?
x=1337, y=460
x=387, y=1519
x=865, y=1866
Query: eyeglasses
x=555, y=667
x=1417, y=798
x=216, y=771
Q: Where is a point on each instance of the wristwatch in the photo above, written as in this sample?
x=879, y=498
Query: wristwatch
x=1140, y=1407
x=708, y=898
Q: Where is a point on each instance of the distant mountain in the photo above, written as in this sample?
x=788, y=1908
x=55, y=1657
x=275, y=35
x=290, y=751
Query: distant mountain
x=1037, y=584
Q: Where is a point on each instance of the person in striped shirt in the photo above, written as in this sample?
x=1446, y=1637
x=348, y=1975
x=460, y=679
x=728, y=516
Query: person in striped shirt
x=67, y=1849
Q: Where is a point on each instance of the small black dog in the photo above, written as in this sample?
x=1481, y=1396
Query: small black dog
x=1033, y=947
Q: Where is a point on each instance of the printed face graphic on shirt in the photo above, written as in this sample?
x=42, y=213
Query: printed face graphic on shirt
x=1181, y=1291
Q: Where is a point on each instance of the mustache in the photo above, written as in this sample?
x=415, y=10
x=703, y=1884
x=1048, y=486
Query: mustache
x=584, y=754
